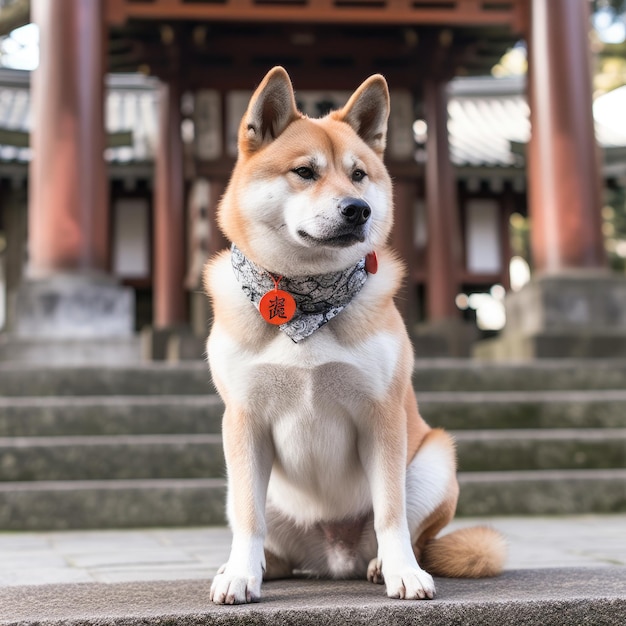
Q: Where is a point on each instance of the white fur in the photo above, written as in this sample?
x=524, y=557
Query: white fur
x=317, y=455
x=276, y=216
x=428, y=480
x=314, y=434
x=240, y=579
x=315, y=439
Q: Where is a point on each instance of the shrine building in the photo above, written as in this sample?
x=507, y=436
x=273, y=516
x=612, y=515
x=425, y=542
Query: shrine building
x=111, y=222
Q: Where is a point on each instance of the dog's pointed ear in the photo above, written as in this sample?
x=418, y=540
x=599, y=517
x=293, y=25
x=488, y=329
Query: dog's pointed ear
x=367, y=112
x=272, y=108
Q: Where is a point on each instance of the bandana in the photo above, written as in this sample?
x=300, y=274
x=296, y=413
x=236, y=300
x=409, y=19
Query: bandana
x=318, y=298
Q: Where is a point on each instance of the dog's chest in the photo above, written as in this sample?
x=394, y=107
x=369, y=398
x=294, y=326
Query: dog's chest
x=302, y=379
x=313, y=398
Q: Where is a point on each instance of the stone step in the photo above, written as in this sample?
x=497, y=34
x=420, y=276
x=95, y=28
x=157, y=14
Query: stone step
x=109, y=415
x=524, y=409
x=504, y=450
x=171, y=414
x=61, y=505
x=122, y=457
x=430, y=375
x=106, y=457
x=548, y=492
x=143, y=379
x=546, y=597
x=536, y=375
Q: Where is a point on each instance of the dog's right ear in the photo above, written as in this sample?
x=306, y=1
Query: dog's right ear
x=272, y=108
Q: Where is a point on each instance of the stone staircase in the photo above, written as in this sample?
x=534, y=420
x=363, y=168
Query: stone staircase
x=104, y=447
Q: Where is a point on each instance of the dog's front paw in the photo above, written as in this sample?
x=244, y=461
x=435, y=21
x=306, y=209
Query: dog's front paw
x=410, y=584
x=235, y=588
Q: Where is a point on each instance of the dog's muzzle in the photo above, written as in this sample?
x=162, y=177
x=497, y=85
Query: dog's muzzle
x=348, y=228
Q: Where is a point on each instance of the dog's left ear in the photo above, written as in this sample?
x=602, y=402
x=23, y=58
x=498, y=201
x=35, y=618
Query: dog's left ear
x=367, y=112
x=272, y=108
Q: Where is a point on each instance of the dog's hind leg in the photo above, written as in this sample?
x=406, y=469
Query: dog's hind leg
x=432, y=489
x=432, y=494
x=275, y=567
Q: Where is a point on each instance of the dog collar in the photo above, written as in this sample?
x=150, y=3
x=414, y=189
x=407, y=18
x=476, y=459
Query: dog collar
x=317, y=298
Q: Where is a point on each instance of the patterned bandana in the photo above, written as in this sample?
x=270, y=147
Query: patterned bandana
x=318, y=298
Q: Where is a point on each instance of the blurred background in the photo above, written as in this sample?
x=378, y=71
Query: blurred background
x=507, y=147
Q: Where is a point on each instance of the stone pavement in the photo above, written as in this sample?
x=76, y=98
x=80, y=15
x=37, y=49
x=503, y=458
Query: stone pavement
x=122, y=556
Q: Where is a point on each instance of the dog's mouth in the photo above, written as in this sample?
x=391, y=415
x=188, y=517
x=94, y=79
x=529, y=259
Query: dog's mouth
x=343, y=240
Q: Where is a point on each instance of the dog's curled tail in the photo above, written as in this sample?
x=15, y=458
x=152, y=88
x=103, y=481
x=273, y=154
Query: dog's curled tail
x=476, y=552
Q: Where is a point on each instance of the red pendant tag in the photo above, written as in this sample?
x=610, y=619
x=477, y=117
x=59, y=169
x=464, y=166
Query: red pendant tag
x=371, y=263
x=277, y=306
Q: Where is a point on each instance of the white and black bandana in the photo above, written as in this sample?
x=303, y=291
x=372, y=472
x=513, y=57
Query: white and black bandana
x=318, y=298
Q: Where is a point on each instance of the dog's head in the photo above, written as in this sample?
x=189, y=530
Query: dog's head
x=309, y=196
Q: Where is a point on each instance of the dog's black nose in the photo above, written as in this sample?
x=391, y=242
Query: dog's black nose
x=355, y=211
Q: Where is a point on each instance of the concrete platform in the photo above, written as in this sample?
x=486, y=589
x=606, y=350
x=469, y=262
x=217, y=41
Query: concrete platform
x=521, y=597
x=560, y=570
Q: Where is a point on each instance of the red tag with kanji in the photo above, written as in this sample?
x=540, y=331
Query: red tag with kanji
x=277, y=307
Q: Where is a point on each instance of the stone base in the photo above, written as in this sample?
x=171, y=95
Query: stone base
x=73, y=306
x=445, y=338
x=512, y=347
x=174, y=344
x=577, y=315
x=66, y=352
x=71, y=319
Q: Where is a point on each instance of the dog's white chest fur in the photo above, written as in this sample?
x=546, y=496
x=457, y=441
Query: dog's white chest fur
x=331, y=469
x=313, y=396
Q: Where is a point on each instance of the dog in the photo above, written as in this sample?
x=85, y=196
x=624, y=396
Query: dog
x=332, y=472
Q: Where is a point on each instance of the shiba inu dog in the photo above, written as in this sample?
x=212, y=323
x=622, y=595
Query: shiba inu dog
x=331, y=469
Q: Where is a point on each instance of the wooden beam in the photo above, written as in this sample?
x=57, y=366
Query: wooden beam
x=436, y=12
x=21, y=139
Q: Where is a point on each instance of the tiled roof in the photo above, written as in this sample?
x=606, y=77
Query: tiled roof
x=131, y=107
x=485, y=116
x=488, y=119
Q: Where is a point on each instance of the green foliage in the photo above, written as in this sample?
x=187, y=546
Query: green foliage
x=614, y=227
x=619, y=6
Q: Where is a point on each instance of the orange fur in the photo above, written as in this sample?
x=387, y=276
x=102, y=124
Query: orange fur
x=331, y=467
x=475, y=552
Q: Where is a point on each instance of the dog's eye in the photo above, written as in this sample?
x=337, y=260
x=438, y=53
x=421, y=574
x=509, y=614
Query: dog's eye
x=304, y=172
x=358, y=175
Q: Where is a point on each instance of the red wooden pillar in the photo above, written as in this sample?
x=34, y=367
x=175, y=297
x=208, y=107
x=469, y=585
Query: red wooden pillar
x=170, y=298
x=217, y=241
x=402, y=240
x=68, y=190
x=570, y=308
x=564, y=177
x=444, y=243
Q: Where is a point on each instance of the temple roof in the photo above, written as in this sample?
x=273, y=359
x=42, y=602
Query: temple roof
x=131, y=116
x=488, y=121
